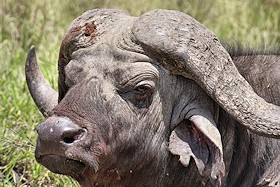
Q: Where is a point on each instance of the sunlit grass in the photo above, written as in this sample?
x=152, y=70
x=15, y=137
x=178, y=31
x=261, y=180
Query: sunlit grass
x=43, y=23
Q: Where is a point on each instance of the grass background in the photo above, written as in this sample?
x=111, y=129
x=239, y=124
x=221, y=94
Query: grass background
x=43, y=23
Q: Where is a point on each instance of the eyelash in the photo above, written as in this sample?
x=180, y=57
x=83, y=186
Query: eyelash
x=143, y=91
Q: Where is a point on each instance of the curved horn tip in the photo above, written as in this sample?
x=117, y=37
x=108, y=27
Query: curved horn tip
x=32, y=48
x=31, y=52
x=31, y=61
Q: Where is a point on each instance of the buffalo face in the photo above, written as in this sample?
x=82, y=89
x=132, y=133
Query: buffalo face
x=109, y=119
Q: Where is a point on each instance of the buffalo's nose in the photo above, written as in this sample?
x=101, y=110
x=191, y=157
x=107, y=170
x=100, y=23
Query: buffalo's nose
x=58, y=133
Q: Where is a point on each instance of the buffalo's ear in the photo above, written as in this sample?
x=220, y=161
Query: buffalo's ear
x=199, y=138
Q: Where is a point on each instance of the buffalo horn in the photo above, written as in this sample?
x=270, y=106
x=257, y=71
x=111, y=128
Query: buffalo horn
x=45, y=97
x=185, y=47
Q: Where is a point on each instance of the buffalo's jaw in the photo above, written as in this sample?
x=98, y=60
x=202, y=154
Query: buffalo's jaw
x=75, y=165
x=80, y=171
x=62, y=165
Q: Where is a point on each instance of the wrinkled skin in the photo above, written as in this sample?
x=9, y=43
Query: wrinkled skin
x=135, y=121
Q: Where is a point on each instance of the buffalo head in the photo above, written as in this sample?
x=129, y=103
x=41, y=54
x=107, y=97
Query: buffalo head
x=136, y=91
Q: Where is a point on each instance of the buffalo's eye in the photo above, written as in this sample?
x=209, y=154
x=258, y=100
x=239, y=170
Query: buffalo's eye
x=139, y=94
x=143, y=91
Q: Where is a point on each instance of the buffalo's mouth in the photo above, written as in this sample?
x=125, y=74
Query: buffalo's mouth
x=62, y=165
x=79, y=170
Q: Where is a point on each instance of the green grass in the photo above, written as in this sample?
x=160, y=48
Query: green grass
x=43, y=23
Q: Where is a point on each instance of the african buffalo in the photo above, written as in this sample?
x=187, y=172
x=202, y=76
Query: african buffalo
x=156, y=100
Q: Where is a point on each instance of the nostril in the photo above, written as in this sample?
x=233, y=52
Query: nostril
x=71, y=136
x=69, y=140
